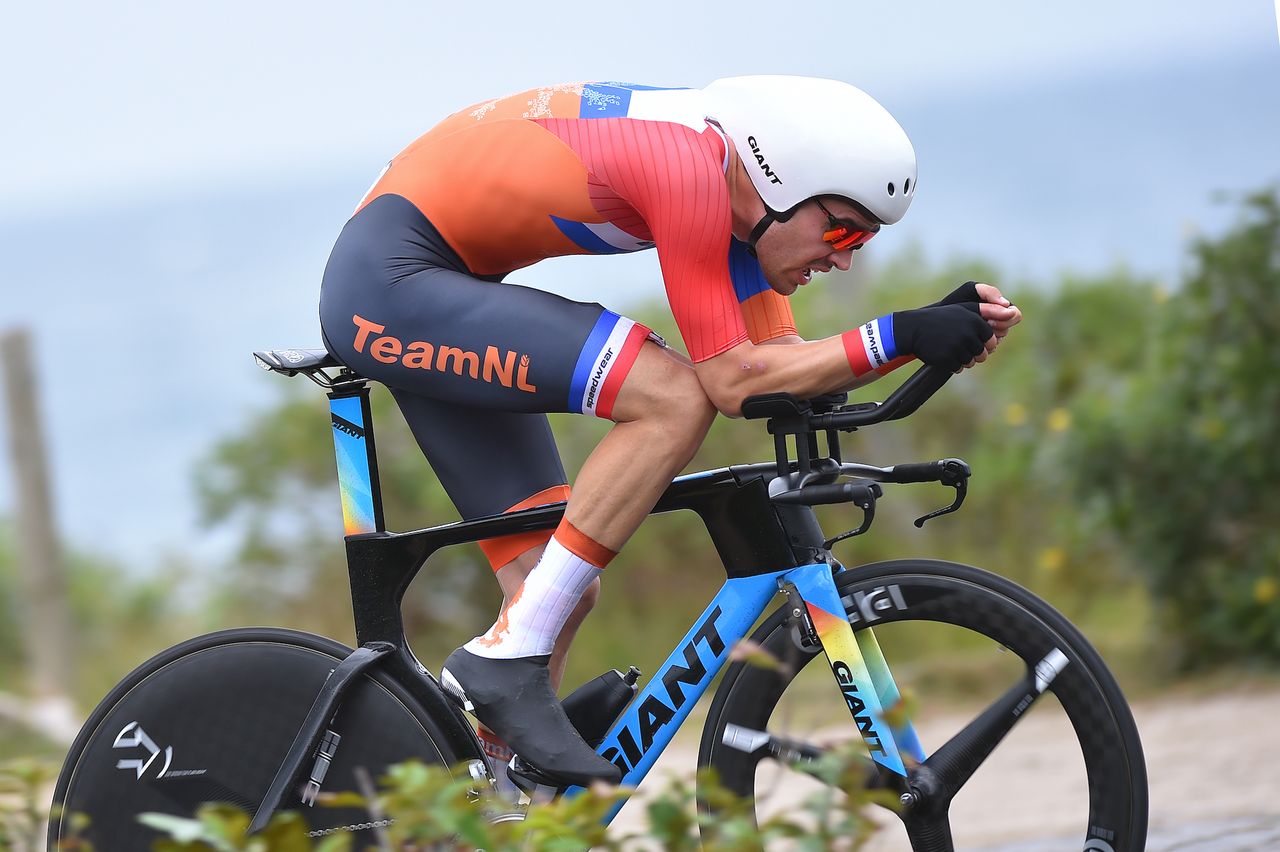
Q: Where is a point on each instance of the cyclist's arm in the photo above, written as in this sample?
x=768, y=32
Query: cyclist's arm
x=785, y=364
x=854, y=382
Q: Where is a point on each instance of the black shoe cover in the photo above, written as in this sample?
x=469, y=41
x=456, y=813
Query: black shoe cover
x=514, y=699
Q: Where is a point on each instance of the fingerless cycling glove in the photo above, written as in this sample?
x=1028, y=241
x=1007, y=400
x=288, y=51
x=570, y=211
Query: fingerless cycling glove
x=946, y=336
x=966, y=292
x=942, y=335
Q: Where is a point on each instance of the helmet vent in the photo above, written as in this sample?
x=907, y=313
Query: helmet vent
x=891, y=189
x=906, y=187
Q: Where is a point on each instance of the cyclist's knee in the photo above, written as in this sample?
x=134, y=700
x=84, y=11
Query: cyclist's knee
x=662, y=387
x=686, y=411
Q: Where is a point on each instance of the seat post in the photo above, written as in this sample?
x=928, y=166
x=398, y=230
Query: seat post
x=358, y=484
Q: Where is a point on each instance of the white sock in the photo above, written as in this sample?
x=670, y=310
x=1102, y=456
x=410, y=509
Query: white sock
x=532, y=619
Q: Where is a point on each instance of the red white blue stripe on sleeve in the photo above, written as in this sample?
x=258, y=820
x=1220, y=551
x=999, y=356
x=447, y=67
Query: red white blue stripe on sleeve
x=870, y=346
x=600, y=237
x=603, y=363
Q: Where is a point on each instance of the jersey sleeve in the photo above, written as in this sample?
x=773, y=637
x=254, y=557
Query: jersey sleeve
x=767, y=313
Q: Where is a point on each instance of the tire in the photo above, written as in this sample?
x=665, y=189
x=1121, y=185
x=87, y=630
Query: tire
x=211, y=719
x=1111, y=814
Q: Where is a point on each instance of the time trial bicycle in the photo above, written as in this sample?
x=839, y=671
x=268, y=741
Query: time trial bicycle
x=268, y=718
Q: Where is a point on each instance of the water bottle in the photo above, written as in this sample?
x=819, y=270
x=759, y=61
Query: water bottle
x=596, y=705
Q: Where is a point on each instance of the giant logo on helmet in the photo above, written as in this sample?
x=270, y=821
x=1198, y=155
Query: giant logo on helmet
x=760, y=161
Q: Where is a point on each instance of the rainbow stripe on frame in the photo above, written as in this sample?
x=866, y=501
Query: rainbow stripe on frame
x=355, y=474
x=856, y=684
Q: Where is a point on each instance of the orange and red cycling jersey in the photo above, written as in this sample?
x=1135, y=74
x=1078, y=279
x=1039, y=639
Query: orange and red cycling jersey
x=595, y=168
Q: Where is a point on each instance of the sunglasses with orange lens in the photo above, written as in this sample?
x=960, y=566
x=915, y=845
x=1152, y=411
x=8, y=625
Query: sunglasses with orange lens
x=845, y=235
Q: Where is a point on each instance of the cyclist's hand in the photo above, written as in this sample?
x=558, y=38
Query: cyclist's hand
x=998, y=311
x=966, y=292
x=948, y=336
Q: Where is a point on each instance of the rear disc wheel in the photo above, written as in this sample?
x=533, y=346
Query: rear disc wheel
x=211, y=719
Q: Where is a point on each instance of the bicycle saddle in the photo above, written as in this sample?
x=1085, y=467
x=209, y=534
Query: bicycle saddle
x=290, y=362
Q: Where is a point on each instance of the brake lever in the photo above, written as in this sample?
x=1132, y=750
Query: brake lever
x=868, y=507
x=961, y=485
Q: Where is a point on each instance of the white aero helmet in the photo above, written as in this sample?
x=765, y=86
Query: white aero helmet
x=801, y=137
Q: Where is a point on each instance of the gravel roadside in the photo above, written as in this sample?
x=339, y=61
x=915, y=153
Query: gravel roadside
x=1213, y=764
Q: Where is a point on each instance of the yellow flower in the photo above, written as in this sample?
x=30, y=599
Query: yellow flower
x=1015, y=414
x=1059, y=420
x=1051, y=559
x=1264, y=591
x=1212, y=428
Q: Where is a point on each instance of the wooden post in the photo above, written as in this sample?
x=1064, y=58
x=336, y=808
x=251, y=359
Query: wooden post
x=47, y=628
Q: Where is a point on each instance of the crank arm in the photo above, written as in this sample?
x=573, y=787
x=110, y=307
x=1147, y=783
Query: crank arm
x=801, y=755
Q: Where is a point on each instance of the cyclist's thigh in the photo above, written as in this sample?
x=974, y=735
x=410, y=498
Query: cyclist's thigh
x=398, y=307
x=487, y=461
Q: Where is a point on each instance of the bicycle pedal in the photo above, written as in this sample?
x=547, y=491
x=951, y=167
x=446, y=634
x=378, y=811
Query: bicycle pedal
x=528, y=778
x=454, y=690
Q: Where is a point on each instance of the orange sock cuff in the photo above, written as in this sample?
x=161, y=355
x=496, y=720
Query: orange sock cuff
x=502, y=550
x=582, y=545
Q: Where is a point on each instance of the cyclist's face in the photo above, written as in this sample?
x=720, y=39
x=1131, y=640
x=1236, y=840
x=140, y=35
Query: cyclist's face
x=790, y=252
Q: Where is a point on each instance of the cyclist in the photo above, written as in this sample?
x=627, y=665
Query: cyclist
x=746, y=188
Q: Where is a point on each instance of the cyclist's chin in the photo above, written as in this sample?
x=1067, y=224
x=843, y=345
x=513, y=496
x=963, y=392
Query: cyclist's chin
x=784, y=284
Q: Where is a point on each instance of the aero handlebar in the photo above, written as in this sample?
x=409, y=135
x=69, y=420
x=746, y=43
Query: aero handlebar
x=903, y=402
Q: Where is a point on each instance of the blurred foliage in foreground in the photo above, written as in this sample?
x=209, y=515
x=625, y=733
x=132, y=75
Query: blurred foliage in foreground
x=22, y=803
x=423, y=807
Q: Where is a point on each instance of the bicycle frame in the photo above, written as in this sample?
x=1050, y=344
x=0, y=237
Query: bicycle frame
x=652, y=719
x=765, y=548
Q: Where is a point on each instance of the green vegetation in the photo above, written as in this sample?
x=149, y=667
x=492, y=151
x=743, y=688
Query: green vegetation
x=121, y=620
x=22, y=817
x=419, y=807
x=1184, y=464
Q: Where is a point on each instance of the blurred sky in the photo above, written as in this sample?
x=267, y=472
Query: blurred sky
x=124, y=99
x=174, y=173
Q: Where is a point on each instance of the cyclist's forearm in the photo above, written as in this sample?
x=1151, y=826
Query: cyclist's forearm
x=803, y=368
x=860, y=381
x=857, y=381
x=865, y=379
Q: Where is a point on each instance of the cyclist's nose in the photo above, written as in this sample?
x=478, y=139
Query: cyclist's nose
x=841, y=259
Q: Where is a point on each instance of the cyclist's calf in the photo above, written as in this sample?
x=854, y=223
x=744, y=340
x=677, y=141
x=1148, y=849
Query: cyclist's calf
x=511, y=576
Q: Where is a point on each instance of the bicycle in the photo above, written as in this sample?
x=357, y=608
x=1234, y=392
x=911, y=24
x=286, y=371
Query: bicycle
x=267, y=718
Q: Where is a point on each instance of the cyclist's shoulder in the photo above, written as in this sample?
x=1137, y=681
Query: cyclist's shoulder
x=586, y=100
x=559, y=100
x=649, y=125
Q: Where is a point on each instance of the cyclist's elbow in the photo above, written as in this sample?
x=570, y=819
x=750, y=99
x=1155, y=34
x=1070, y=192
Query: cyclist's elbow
x=727, y=393
x=730, y=405
x=730, y=378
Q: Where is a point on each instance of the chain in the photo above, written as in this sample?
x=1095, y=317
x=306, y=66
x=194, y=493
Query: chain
x=360, y=826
